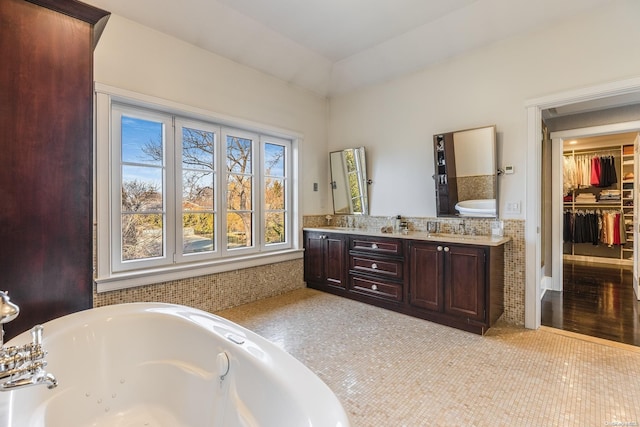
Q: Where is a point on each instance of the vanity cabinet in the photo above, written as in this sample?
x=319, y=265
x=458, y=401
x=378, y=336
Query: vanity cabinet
x=324, y=260
x=459, y=285
x=376, y=267
x=456, y=284
x=449, y=279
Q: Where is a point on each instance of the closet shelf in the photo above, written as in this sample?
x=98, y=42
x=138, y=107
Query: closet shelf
x=594, y=205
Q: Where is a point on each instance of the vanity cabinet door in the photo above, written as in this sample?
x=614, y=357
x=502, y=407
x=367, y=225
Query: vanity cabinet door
x=426, y=276
x=465, y=283
x=313, y=257
x=324, y=259
x=335, y=266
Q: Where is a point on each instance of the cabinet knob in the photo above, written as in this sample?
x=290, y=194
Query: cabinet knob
x=374, y=246
x=446, y=249
x=374, y=266
x=439, y=248
x=374, y=287
x=323, y=236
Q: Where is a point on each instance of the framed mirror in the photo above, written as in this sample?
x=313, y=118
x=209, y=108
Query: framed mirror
x=466, y=173
x=349, y=182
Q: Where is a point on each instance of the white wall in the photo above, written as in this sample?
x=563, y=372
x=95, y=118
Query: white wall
x=395, y=121
x=137, y=58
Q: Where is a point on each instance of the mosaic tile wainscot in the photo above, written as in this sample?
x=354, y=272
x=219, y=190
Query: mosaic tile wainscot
x=220, y=291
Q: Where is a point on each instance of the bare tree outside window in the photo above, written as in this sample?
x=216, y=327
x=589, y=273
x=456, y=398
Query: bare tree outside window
x=142, y=209
x=239, y=192
x=170, y=188
x=274, y=193
x=198, y=194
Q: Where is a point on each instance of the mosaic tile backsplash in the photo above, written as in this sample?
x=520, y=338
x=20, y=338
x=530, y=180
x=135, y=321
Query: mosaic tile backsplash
x=230, y=289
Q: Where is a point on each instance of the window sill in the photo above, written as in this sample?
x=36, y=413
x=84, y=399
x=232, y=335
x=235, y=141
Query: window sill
x=132, y=279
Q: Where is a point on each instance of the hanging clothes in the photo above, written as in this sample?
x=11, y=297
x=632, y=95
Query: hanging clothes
x=608, y=175
x=583, y=164
x=569, y=174
x=586, y=170
x=594, y=226
x=595, y=172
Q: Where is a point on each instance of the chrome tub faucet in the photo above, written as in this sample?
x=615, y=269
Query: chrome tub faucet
x=21, y=366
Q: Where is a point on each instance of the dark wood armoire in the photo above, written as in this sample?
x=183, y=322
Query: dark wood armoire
x=46, y=157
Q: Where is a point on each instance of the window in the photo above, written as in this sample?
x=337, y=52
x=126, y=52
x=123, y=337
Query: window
x=185, y=192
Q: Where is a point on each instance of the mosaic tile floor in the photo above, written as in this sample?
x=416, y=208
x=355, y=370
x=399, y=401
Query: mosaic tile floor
x=389, y=369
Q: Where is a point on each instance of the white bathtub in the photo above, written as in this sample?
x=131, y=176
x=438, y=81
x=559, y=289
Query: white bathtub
x=480, y=207
x=152, y=364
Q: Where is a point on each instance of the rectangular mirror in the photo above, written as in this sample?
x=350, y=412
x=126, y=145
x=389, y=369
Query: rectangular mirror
x=466, y=173
x=349, y=182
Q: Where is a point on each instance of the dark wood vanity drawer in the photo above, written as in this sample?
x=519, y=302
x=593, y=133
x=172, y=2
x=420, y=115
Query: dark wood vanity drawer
x=387, y=268
x=376, y=288
x=376, y=245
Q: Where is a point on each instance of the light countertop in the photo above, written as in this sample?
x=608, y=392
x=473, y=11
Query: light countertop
x=465, y=239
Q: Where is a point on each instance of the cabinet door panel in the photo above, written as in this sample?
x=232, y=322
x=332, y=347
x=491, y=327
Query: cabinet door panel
x=465, y=269
x=314, y=258
x=335, y=261
x=426, y=277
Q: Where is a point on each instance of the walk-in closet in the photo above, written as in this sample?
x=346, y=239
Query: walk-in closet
x=596, y=226
x=598, y=203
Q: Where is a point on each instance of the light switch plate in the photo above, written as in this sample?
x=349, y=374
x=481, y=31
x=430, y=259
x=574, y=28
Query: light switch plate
x=512, y=208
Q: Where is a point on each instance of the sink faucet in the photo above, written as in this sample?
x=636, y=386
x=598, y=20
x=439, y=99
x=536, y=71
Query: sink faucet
x=461, y=228
x=21, y=366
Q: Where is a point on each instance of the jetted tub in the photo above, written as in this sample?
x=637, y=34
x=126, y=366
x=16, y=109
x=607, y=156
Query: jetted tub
x=153, y=364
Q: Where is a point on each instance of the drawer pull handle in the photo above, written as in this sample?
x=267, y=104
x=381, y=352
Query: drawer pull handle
x=446, y=249
x=374, y=266
x=439, y=248
x=374, y=246
x=374, y=287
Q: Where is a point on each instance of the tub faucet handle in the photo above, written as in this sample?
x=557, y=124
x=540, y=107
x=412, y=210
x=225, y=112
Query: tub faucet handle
x=36, y=334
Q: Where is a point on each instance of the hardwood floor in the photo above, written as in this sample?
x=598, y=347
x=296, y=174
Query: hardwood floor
x=598, y=300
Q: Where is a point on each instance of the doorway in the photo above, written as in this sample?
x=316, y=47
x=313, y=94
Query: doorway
x=593, y=245
x=535, y=275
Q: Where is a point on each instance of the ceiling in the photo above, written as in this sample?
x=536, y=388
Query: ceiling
x=335, y=46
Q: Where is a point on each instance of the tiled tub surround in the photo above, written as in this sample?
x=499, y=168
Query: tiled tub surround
x=215, y=291
x=230, y=289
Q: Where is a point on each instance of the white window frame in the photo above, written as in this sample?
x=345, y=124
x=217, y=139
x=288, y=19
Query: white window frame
x=255, y=198
x=167, y=176
x=288, y=189
x=180, y=257
x=178, y=266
